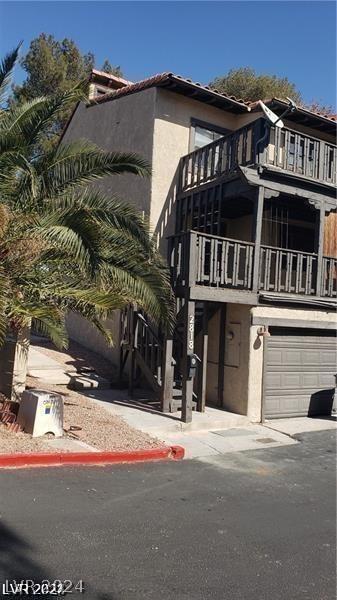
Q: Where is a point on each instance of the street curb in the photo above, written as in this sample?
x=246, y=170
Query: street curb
x=58, y=459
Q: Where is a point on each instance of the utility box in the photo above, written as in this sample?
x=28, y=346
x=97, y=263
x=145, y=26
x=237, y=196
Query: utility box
x=41, y=412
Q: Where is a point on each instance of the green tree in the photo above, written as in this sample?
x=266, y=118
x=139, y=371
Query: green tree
x=108, y=68
x=63, y=245
x=246, y=84
x=52, y=67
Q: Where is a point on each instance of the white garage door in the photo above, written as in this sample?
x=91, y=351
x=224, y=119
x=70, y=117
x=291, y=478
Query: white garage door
x=299, y=372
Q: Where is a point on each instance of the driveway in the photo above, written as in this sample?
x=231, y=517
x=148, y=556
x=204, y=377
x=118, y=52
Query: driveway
x=254, y=525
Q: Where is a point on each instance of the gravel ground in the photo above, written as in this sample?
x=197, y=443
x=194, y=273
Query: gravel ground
x=21, y=442
x=83, y=420
x=98, y=428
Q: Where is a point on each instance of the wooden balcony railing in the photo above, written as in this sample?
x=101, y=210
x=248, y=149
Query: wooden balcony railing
x=207, y=260
x=220, y=157
x=329, y=277
x=199, y=259
x=287, y=271
x=283, y=149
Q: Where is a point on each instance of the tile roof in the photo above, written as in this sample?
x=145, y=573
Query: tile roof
x=95, y=73
x=255, y=105
x=178, y=83
x=204, y=93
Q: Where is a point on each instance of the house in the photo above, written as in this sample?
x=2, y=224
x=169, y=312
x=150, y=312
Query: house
x=100, y=83
x=245, y=212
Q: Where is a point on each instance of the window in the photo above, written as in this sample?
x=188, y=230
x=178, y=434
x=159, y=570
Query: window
x=205, y=133
x=204, y=136
x=101, y=91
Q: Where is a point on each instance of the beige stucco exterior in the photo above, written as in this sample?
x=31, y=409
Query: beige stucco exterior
x=87, y=335
x=243, y=383
x=171, y=141
x=156, y=123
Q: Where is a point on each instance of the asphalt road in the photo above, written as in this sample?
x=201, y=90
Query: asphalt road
x=256, y=525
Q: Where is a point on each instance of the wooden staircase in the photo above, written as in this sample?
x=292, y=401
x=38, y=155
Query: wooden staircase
x=151, y=359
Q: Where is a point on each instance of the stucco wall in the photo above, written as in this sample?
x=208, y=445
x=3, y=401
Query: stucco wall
x=88, y=336
x=328, y=316
x=123, y=125
x=172, y=130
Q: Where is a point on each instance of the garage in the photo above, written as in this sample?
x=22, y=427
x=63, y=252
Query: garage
x=299, y=372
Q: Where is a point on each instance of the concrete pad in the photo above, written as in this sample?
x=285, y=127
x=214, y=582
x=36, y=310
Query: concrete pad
x=38, y=360
x=215, y=432
x=296, y=425
x=205, y=444
x=158, y=424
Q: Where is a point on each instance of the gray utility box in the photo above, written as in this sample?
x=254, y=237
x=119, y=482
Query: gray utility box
x=41, y=412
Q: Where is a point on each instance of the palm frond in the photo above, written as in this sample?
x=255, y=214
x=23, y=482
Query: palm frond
x=6, y=69
x=56, y=332
x=69, y=170
x=24, y=125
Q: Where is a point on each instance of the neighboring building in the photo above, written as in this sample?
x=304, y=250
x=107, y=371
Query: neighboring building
x=251, y=212
x=101, y=83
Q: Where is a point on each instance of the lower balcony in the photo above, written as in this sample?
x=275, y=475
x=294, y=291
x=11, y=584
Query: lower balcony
x=209, y=265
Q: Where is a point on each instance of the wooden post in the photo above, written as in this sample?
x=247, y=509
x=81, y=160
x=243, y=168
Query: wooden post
x=132, y=350
x=188, y=349
x=191, y=256
x=258, y=215
x=221, y=363
x=319, y=245
x=167, y=375
x=202, y=375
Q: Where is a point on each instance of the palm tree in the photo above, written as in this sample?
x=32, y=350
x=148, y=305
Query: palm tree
x=64, y=245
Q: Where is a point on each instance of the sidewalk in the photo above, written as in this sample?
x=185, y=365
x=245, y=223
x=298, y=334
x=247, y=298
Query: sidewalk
x=212, y=433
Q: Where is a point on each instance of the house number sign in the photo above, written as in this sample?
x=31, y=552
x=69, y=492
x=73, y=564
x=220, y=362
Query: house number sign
x=191, y=332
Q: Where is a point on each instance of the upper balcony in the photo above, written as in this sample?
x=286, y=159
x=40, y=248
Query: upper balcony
x=222, y=269
x=282, y=151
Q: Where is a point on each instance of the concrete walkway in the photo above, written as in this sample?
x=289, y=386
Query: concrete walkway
x=213, y=433
x=297, y=425
x=210, y=434
x=43, y=368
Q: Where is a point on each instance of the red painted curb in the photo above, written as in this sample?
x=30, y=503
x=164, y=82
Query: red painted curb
x=57, y=459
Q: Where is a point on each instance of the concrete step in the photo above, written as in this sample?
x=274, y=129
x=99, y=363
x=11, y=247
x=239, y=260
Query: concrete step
x=54, y=376
x=73, y=380
x=87, y=382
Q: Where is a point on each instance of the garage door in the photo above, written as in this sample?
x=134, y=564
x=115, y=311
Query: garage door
x=299, y=372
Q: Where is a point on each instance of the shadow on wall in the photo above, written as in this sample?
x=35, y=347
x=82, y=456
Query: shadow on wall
x=17, y=564
x=166, y=221
x=321, y=403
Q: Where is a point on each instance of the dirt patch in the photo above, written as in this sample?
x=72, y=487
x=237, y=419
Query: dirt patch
x=83, y=421
x=21, y=442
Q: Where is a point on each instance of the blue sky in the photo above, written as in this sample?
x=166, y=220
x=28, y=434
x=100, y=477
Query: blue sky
x=196, y=39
